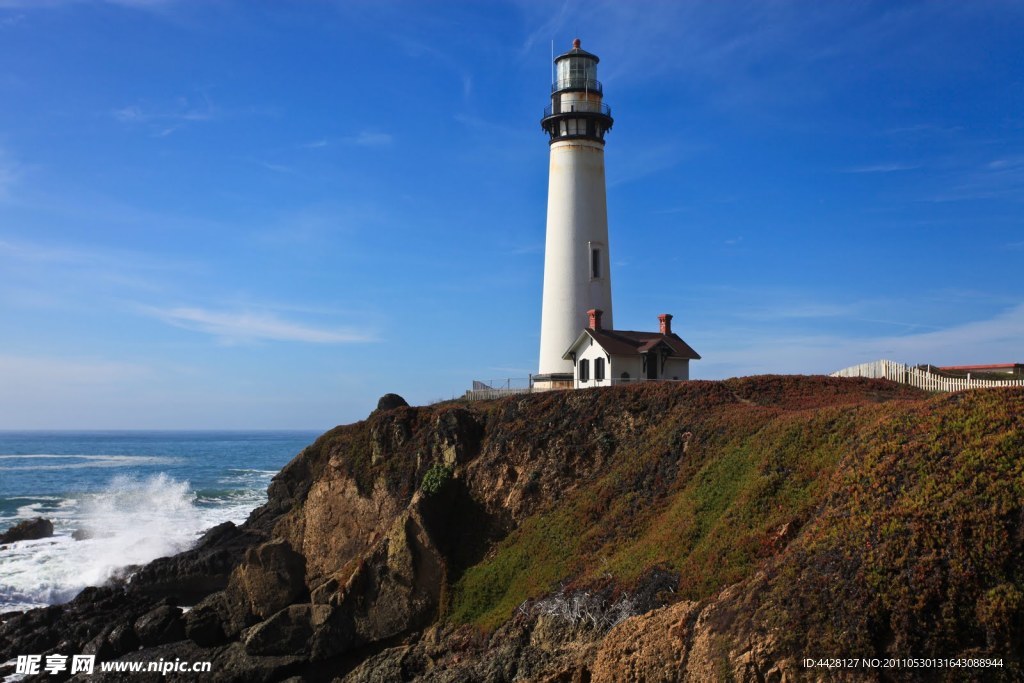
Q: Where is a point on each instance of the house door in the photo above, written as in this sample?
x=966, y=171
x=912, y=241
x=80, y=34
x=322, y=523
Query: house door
x=652, y=365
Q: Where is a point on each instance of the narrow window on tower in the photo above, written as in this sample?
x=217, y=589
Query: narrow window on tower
x=595, y=263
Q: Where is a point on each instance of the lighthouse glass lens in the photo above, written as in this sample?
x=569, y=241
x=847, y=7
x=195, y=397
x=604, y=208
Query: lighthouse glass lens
x=576, y=72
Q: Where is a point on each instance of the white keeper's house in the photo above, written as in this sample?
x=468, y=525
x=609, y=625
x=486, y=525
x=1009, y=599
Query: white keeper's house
x=603, y=357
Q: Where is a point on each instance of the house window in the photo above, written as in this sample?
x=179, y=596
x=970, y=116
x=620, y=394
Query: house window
x=599, y=369
x=584, y=372
x=595, y=263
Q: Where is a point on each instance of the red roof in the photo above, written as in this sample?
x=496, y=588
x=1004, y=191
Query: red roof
x=994, y=366
x=628, y=342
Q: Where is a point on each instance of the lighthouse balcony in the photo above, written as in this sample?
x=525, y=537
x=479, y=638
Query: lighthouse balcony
x=577, y=83
x=574, y=106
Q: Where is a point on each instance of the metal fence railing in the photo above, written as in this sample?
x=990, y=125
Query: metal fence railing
x=577, y=107
x=578, y=83
x=488, y=389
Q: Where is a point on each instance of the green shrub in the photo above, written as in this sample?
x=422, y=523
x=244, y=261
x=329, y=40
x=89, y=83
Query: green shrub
x=436, y=477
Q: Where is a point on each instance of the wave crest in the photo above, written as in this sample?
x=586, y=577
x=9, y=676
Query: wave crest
x=132, y=522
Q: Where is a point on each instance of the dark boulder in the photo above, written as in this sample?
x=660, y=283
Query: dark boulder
x=29, y=530
x=190, y=576
x=288, y=631
x=112, y=642
x=235, y=664
x=161, y=625
x=390, y=402
x=204, y=623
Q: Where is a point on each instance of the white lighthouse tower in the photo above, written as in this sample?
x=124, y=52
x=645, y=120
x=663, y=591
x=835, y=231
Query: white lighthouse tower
x=577, y=277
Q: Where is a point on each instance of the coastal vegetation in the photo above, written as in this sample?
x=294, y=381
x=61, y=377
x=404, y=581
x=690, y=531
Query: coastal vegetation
x=725, y=529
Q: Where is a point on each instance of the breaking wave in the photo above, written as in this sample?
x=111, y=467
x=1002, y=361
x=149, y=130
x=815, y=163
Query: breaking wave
x=131, y=522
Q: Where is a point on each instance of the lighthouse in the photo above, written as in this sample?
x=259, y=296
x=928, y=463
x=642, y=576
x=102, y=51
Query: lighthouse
x=577, y=276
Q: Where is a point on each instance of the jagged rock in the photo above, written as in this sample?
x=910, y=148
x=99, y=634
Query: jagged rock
x=390, y=402
x=69, y=627
x=204, y=623
x=112, y=642
x=271, y=577
x=457, y=434
x=238, y=666
x=394, y=590
x=182, y=651
x=192, y=575
x=289, y=487
x=388, y=433
x=649, y=647
x=287, y=631
x=29, y=530
x=123, y=638
x=339, y=526
x=160, y=625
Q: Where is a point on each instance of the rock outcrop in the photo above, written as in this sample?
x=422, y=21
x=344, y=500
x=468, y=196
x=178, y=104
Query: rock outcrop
x=391, y=401
x=661, y=532
x=29, y=530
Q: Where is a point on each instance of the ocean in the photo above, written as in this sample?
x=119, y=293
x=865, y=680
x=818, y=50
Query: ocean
x=141, y=495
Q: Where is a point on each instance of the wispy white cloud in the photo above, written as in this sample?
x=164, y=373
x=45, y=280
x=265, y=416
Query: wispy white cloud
x=369, y=138
x=163, y=120
x=141, y=4
x=53, y=372
x=276, y=168
x=47, y=4
x=70, y=255
x=363, y=138
x=923, y=130
x=783, y=306
x=10, y=171
x=881, y=168
x=646, y=160
x=996, y=339
x=552, y=24
x=742, y=53
x=78, y=279
x=525, y=249
x=241, y=326
x=1001, y=178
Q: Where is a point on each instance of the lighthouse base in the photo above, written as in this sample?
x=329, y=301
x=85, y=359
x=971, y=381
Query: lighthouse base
x=554, y=380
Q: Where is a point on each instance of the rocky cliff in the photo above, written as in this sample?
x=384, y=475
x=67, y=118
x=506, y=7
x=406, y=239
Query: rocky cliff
x=694, y=531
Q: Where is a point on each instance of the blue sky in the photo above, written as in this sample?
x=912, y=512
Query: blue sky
x=235, y=214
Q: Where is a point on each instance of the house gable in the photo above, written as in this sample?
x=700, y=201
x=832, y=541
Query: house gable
x=603, y=357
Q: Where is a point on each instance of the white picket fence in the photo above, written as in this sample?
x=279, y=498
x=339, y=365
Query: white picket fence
x=922, y=379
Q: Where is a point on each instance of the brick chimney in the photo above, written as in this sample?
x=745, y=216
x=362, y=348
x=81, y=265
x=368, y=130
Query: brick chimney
x=665, y=320
x=594, y=314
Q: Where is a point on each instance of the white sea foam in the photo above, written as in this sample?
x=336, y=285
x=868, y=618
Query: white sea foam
x=13, y=463
x=134, y=521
